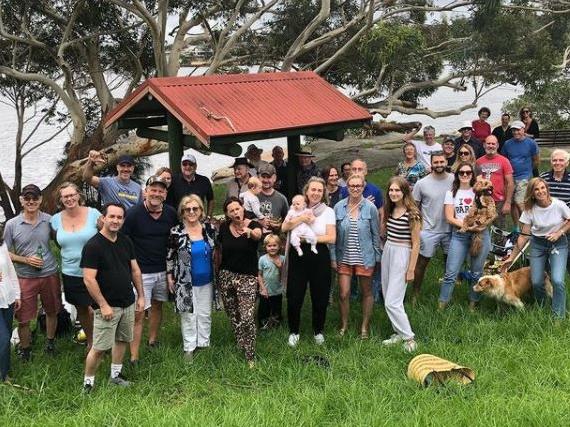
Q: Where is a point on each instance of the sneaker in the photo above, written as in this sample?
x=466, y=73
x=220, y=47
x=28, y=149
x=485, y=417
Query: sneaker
x=154, y=344
x=25, y=354
x=87, y=388
x=293, y=340
x=120, y=380
x=394, y=339
x=410, y=346
x=189, y=356
x=265, y=325
x=50, y=347
x=319, y=339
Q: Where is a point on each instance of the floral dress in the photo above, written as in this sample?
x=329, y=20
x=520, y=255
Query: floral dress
x=413, y=173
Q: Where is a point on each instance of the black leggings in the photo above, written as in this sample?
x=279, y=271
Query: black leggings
x=316, y=270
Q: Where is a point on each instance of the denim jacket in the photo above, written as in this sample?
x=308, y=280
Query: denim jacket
x=368, y=232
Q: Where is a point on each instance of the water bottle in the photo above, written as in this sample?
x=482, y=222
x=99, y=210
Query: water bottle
x=40, y=254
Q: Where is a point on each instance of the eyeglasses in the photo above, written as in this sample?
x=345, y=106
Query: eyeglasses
x=188, y=164
x=191, y=209
x=30, y=198
x=69, y=196
x=465, y=173
x=464, y=153
x=355, y=186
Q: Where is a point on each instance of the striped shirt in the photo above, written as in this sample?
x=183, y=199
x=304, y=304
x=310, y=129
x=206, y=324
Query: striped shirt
x=398, y=229
x=559, y=189
x=353, y=253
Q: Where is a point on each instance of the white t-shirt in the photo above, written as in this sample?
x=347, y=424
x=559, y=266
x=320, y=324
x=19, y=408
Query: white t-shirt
x=424, y=151
x=461, y=202
x=547, y=220
x=319, y=225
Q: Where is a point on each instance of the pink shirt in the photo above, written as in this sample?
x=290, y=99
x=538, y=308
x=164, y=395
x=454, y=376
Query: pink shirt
x=495, y=169
x=481, y=129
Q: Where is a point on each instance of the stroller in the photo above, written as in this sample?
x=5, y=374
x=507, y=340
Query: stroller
x=502, y=244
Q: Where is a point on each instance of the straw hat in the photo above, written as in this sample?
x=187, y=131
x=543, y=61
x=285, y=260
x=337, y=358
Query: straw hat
x=427, y=369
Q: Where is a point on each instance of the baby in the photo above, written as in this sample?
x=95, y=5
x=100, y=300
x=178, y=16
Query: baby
x=299, y=207
x=250, y=200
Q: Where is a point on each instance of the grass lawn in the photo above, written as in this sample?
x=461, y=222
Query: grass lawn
x=518, y=358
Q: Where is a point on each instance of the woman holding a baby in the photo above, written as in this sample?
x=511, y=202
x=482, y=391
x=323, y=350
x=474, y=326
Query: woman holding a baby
x=357, y=250
x=307, y=266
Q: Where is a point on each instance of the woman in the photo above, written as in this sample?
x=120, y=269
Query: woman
x=456, y=205
x=530, y=125
x=482, y=128
x=410, y=168
x=402, y=224
x=238, y=284
x=345, y=170
x=9, y=303
x=464, y=154
x=356, y=251
x=190, y=273
x=312, y=269
x=73, y=227
x=330, y=175
x=448, y=147
x=545, y=220
x=164, y=174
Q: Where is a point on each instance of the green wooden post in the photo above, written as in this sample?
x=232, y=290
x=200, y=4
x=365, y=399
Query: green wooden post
x=293, y=146
x=175, y=148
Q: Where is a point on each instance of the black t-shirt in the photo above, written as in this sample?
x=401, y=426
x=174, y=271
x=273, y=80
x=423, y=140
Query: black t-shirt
x=239, y=254
x=150, y=236
x=112, y=260
x=502, y=135
x=179, y=188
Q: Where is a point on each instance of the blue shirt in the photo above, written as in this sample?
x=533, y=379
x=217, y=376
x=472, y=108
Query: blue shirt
x=113, y=190
x=520, y=154
x=72, y=242
x=201, y=265
x=271, y=275
x=369, y=190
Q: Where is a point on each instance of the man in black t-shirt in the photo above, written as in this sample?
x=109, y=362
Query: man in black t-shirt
x=109, y=272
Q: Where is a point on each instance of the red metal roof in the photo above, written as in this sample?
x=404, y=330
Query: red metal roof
x=237, y=104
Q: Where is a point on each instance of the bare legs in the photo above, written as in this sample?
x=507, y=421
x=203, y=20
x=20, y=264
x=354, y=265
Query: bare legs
x=85, y=317
x=344, y=302
x=419, y=273
x=154, y=321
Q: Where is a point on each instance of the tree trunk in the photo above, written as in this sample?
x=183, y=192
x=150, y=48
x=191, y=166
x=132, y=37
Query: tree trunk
x=380, y=128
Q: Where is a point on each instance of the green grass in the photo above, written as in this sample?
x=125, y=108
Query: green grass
x=520, y=359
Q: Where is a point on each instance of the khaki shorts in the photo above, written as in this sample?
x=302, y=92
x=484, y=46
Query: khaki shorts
x=119, y=328
x=520, y=191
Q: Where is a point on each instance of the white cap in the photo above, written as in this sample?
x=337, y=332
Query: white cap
x=466, y=124
x=517, y=124
x=188, y=158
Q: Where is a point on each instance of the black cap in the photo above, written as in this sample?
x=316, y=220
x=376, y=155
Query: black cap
x=125, y=158
x=241, y=161
x=155, y=180
x=32, y=189
x=266, y=169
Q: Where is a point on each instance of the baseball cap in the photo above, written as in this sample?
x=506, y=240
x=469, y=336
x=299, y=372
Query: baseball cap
x=155, y=180
x=31, y=189
x=188, y=158
x=266, y=169
x=517, y=124
x=466, y=125
x=125, y=158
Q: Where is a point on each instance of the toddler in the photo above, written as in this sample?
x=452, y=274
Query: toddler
x=270, y=287
x=298, y=208
x=250, y=200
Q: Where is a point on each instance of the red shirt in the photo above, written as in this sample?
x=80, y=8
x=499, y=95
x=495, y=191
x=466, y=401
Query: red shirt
x=495, y=169
x=481, y=130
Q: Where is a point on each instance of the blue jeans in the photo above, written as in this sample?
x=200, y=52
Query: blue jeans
x=458, y=253
x=541, y=250
x=6, y=315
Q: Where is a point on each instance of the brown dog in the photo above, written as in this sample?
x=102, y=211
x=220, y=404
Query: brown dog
x=510, y=287
x=481, y=213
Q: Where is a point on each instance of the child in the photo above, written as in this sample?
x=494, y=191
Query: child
x=299, y=207
x=269, y=278
x=250, y=200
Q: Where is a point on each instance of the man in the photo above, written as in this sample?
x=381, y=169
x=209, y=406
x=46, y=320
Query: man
x=27, y=238
x=238, y=185
x=426, y=147
x=498, y=169
x=466, y=137
x=189, y=182
x=346, y=170
x=429, y=194
x=522, y=152
x=503, y=132
x=148, y=226
x=273, y=204
x=558, y=178
x=280, y=165
x=109, y=266
x=253, y=155
x=448, y=147
x=307, y=168
x=372, y=193
x=119, y=189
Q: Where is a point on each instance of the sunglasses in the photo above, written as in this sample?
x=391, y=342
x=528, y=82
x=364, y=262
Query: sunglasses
x=464, y=153
x=191, y=209
x=465, y=173
x=30, y=198
x=188, y=164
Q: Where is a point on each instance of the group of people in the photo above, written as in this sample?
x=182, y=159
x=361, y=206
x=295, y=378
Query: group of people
x=148, y=246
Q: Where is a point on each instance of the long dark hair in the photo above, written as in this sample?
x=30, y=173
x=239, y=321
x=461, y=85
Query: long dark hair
x=456, y=182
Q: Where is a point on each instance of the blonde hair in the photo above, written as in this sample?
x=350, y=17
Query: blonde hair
x=188, y=199
x=65, y=185
x=253, y=182
x=529, y=199
x=271, y=238
x=458, y=160
x=356, y=176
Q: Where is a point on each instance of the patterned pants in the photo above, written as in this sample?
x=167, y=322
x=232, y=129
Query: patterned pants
x=239, y=292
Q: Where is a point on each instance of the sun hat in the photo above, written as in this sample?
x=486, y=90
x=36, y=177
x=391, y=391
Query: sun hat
x=241, y=161
x=305, y=152
x=427, y=369
x=251, y=148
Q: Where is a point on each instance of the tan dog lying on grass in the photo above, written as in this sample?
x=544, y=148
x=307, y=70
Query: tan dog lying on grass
x=510, y=287
x=481, y=213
